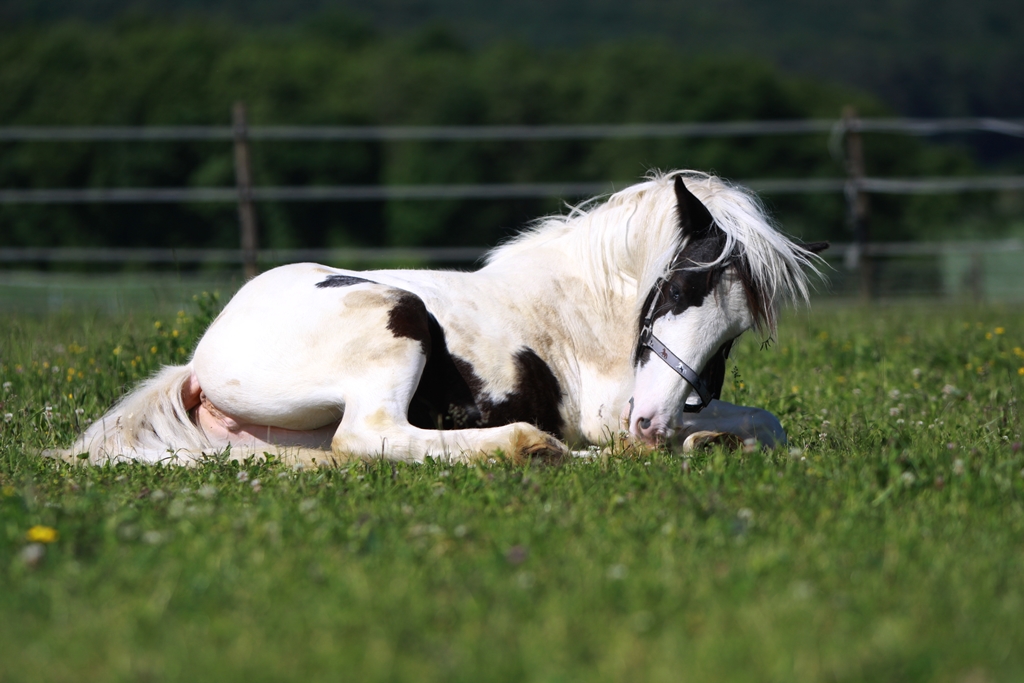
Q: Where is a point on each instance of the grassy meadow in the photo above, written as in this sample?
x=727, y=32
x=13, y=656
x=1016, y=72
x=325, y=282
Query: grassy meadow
x=884, y=543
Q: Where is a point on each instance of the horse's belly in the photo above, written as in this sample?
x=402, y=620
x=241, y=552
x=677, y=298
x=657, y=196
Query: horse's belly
x=223, y=429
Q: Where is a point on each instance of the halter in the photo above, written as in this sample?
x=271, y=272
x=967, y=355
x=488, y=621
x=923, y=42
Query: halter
x=648, y=340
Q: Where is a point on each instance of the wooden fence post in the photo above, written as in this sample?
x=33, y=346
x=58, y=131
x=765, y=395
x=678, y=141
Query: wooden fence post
x=857, y=203
x=243, y=180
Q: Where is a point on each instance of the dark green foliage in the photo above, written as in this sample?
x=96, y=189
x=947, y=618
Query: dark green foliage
x=923, y=57
x=339, y=72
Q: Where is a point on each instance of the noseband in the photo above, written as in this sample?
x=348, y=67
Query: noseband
x=649, y=341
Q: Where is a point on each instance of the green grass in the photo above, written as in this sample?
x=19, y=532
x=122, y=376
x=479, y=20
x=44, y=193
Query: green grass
x=886, y=543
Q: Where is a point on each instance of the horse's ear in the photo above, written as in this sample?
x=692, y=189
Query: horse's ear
x=814, y=247
x=694, y=217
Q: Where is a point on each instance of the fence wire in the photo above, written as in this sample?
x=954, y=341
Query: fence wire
x=1012, y=127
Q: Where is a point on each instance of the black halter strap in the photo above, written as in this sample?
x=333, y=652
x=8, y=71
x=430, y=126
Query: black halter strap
x=648, y=340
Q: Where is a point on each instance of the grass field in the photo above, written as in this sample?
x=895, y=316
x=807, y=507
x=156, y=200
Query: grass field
x=885, y=543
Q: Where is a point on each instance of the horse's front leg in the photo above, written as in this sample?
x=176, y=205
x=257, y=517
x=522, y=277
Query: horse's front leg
x=376, y=422
x=379, y=385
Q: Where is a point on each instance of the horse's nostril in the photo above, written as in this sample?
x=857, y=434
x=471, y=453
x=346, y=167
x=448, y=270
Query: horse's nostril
x=644, y=422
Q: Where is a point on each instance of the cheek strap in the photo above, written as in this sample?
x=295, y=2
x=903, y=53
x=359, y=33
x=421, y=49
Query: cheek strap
x=648, y=340
x=684, y=371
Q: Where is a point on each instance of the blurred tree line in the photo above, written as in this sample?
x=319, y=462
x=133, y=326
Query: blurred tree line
x=921, y=57
x=335, y=70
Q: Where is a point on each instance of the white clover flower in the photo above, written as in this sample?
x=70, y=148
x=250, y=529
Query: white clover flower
x=153, y=537
x=32, y=554
x=617, y=572
x=242, y=476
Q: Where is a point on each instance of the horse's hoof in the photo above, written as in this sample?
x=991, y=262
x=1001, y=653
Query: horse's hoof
x=707, y=439
x=550, y=449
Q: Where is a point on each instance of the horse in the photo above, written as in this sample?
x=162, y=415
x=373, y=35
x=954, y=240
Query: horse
x=607, y=320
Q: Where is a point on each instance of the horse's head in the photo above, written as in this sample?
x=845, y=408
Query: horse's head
x=711, y=294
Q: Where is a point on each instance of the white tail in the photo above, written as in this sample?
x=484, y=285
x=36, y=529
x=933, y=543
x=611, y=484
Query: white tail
x=143, y=426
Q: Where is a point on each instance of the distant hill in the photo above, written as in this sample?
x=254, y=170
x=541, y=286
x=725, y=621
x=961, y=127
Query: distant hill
x=922, y=57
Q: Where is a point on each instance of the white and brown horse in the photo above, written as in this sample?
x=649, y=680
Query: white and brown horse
x=554, y=339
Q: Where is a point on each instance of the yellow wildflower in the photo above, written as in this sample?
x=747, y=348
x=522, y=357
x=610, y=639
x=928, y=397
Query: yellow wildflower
x=1000, y=330
x=42, y=534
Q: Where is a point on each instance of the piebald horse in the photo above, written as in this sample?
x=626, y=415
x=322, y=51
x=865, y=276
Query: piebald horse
x=610, y=319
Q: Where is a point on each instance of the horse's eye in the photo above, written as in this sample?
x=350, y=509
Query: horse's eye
x=675, y=293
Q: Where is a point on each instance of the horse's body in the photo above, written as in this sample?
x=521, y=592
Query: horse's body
x=540, y=344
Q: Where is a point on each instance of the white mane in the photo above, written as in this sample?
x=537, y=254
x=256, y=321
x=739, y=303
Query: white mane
x=631, y=239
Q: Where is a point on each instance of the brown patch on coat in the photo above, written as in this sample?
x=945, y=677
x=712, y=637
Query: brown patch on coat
x=379, y=420
x=367, y=298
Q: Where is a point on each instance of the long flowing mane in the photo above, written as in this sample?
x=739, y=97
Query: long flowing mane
x=632, y=238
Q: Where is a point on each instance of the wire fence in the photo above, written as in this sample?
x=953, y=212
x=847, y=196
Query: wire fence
x=842, y=137
x=362, y=193
x=1013, y=127
x=451, y=255
x=951, y=271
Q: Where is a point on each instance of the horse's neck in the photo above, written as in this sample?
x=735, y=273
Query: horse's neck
x=585, y=329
